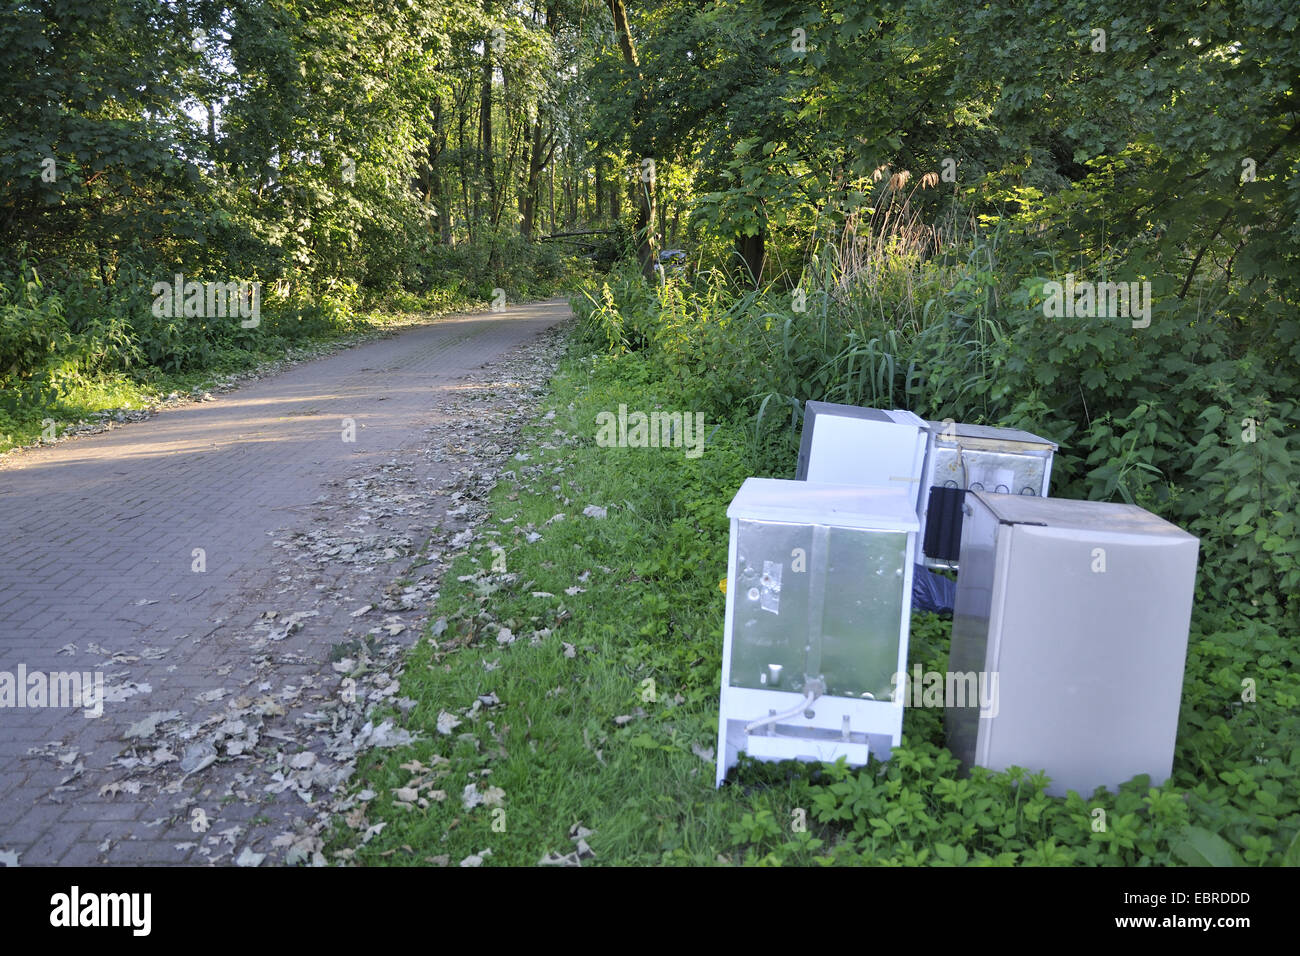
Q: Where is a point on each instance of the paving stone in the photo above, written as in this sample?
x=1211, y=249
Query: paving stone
x=52, y=846
x=98, y=553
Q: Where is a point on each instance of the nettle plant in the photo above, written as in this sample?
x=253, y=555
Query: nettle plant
x=1245, y=504
x=1185, y=418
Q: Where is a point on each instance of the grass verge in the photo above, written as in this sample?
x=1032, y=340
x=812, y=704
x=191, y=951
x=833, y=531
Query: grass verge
x=568, y=682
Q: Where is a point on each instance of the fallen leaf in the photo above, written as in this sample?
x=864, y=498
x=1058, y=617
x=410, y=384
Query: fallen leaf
x=149, y=725
x=385, y=735
x=470, y=796
x=447, y=722
x=249, y=858
x=555, y=859
x=111, y=790
x=197, y=756
x=119, y=693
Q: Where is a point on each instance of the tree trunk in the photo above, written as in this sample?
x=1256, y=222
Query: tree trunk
x=663, y=224
x=645, y=225
x=466, y=208
x=540, y=154
x=516, y=138
x=485, y=122
x=752, y=257
x=435, y=193
x=645, y=192
x=571, y=193
x=521, y=191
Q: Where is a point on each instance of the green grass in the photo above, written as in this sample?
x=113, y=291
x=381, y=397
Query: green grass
x=642, y=638
x=646, y=636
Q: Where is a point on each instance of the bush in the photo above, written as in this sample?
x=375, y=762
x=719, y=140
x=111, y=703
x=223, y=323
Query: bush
x=1191, y=417
x=52, y=338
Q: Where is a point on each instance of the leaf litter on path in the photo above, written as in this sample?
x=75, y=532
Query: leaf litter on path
x=282, y=723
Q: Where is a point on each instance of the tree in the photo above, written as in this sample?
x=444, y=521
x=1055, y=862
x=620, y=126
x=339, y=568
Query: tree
x=642, y=148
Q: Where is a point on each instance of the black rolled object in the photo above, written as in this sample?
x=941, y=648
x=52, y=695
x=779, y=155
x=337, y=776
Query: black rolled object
x=943, y=524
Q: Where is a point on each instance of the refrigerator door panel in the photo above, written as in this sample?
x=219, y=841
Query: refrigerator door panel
x=815, y=410
x=856, y=451
x=820, y=601
x=771, y=606
x=861, y=613
x=971, y=623
x=1090, y=662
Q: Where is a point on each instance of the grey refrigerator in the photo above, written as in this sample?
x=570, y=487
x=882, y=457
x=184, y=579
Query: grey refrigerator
x=1073, y=618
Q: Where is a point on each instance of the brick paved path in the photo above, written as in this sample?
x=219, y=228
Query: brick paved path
x=98, y=538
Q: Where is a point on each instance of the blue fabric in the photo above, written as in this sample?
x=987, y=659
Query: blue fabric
x=931, y=591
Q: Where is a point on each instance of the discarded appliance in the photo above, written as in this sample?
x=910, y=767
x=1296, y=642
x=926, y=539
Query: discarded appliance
x=1079, y=611
x=963, y=457
x=819, y=590
x=846, y=444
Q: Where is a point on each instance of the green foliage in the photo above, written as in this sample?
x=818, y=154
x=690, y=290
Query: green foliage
x=1069, y=161
x=1190, y=417
x=1141, y=417
x=302, y=144
x=631, y=768
x=51, y=338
